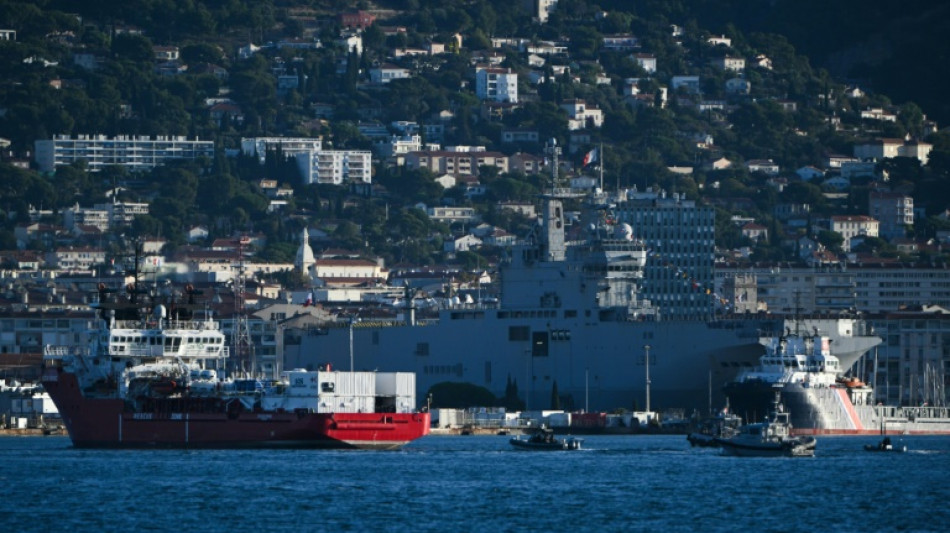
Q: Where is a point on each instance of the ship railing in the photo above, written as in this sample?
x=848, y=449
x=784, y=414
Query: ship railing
x=201, y=325
x=56, y=352
x=196, y=351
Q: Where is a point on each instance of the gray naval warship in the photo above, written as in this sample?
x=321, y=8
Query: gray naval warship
x=570, y=313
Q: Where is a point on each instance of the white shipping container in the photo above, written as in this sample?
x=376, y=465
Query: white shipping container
x=351, y=383
x=20, y=422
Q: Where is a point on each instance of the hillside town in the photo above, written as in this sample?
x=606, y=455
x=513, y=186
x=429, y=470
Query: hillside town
x=321, y=176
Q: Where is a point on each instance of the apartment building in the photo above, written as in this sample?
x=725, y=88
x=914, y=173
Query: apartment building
x=133, y=152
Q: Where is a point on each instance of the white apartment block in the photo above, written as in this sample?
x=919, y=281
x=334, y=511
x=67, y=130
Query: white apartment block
x=894, y=211
x=103, y=216
x=82, y=258
x=456, y=163
x=498, y=84
x=289, y=146
x=336, y=167
x=133, y=152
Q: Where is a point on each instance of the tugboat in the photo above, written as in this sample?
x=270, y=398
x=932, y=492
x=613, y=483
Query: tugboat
x=544, y=440
x=725, y=425
x=770, y=438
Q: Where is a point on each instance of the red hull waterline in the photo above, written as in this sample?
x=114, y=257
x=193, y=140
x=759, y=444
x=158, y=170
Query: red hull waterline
x=105, y=423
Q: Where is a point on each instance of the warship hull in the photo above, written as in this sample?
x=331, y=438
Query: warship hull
x=596, y=365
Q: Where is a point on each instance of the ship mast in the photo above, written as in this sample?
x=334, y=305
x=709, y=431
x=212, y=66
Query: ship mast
x=240, y=334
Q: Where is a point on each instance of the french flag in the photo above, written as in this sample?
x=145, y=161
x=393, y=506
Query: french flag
x=590, y=157
x=309, y=301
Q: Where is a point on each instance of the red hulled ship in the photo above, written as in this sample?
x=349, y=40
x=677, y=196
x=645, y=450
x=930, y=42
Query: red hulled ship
x=161, y=382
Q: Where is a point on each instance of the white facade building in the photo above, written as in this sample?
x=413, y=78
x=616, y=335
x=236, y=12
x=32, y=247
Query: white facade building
x=289, y=146
x=133, y=152
x=336, y=166
x=499, y=84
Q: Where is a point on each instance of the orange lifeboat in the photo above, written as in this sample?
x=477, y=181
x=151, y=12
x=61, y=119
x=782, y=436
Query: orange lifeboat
x=850, y=382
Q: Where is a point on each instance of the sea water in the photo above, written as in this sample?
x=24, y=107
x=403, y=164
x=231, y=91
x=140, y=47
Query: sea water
x=474, y=483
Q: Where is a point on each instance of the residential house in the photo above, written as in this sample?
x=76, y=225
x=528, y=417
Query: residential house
x=388, y=72
x=738, y=86
x=736, y=64
x=764, y=166
x=809, y=172
x=581, y=115
x=513, y=136
x=887, y=148
x=527, y=164
x=500, y=237
x=524, y=208
x=452, y=214
x=225, y=112
x=777, y=182
x=762, y=61
x=858, y=169
x=837, y=183
x=719, y=40
x=196, y=234
x=166, y=53
x=755, y=232
x=837, y=160
x=447, y=181
x=719, y=164
x=462, y=244
x=621, y=42
x=850, y=226
x=646, y=61
x=877, y=113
